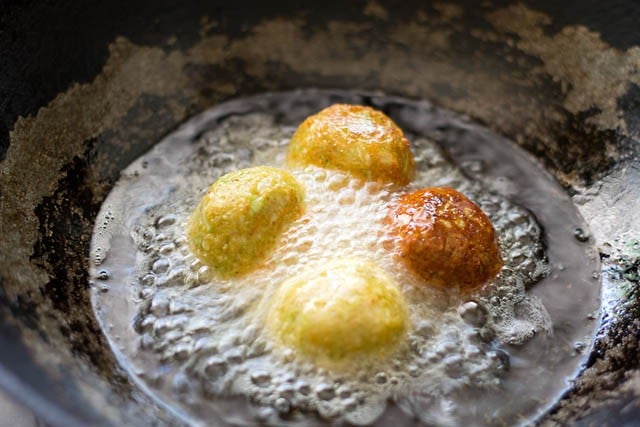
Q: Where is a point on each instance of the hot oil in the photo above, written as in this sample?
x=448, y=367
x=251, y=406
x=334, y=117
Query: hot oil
x=499, y=356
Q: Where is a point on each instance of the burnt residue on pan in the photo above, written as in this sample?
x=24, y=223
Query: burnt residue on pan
x=561, y=88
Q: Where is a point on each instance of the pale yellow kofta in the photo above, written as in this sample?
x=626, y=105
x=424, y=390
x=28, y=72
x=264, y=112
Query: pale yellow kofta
x=338, y=311
x=241, y=218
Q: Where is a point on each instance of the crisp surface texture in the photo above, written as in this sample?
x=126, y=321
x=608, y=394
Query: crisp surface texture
x=445, y=238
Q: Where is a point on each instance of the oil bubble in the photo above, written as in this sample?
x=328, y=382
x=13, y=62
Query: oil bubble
x=381, y=378
x=473, y=313
x=215, y=366
x=165, y=221
x=102, y=275
x=580, y=234
x=260, y=378
x=325, y=392
x=160, y=266
x=282, y=405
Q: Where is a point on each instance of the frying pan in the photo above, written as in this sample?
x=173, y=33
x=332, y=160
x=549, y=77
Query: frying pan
x=86, y=87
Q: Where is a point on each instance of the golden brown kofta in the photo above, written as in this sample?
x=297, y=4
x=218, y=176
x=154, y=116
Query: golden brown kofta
x=445, y=238
x=355, y=139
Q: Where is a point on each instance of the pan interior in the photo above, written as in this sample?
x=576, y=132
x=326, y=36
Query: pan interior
x=530, y=369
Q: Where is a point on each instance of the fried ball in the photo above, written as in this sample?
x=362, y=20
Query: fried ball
x=343, y=309
x=241, y=217
x=445, y=238
x=355, y=139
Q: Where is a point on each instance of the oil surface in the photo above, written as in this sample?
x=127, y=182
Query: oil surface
x=197, y=343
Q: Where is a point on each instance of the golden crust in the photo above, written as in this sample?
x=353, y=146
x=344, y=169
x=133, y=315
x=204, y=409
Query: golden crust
x=445, y=238
x=355, y=139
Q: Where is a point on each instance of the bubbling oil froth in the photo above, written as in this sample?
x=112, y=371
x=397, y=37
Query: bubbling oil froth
x=198, y=338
